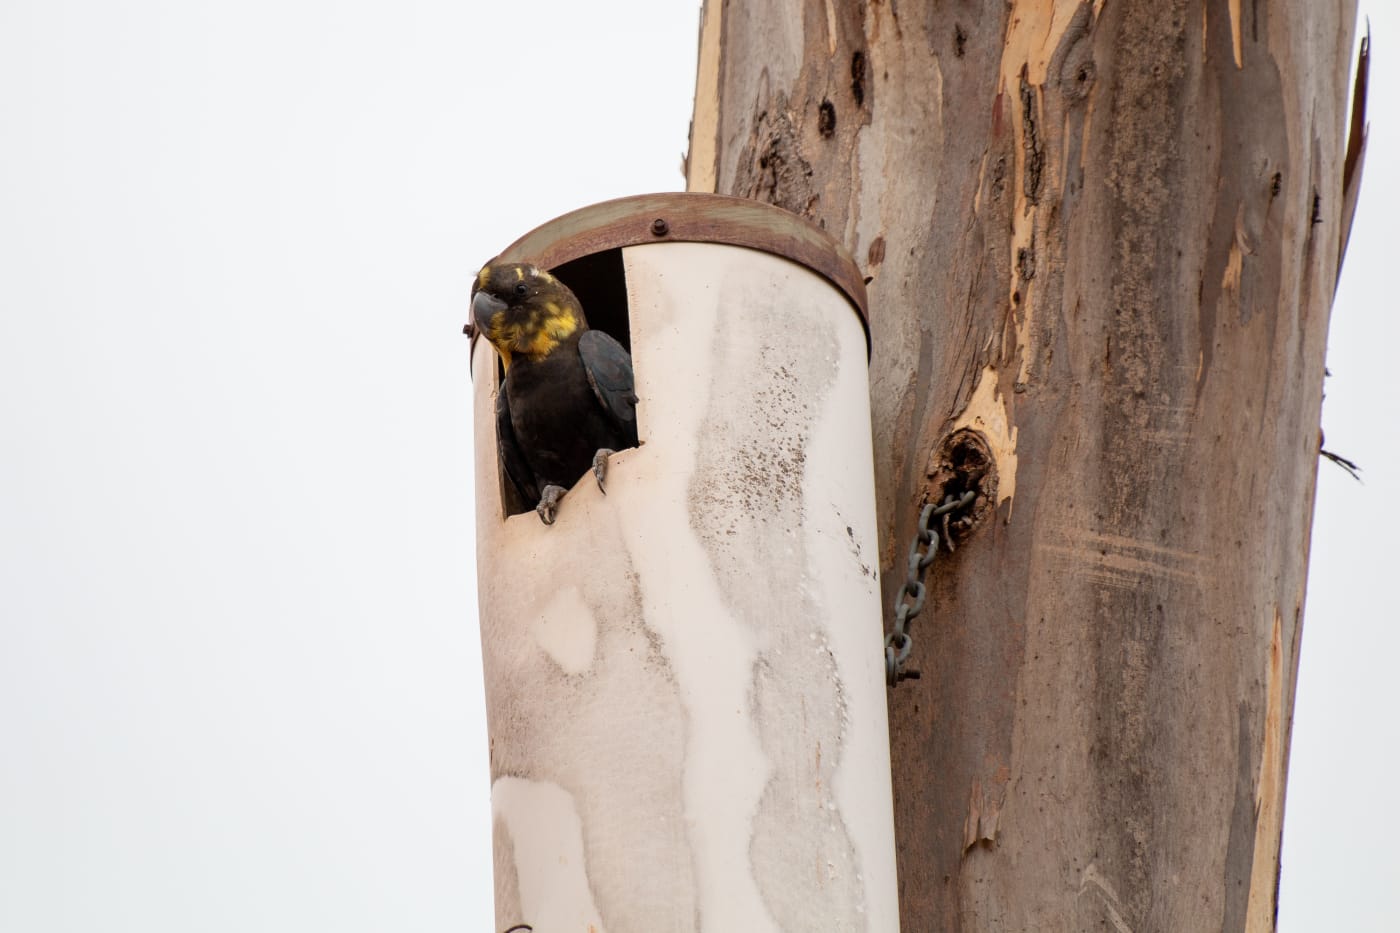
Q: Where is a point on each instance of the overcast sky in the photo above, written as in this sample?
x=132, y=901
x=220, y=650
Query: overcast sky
x=240, y=683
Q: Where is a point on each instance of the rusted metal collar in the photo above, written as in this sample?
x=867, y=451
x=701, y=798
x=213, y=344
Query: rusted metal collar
x=695, y=218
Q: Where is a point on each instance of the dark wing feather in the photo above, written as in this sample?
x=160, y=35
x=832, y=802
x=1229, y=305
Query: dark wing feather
x=609, y=370
x=517, y=472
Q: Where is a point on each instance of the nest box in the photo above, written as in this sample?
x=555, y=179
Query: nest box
x=685, y=676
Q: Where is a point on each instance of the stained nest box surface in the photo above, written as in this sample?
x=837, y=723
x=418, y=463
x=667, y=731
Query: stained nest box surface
x=685, y=676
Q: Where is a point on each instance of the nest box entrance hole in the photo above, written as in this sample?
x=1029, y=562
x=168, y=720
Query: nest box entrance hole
x=599, y=282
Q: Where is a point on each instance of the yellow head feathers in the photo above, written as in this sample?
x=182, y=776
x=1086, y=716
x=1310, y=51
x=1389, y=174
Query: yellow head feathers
x=524, y=311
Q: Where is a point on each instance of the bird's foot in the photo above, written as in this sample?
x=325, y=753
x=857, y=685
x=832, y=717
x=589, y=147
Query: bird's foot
x=549, y=503
x=600, y=467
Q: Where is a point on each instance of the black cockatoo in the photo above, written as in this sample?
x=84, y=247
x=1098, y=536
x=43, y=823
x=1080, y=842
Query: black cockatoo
x=568, y=400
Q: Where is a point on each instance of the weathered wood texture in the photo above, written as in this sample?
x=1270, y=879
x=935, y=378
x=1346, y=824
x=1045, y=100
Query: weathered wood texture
x=1105, y=234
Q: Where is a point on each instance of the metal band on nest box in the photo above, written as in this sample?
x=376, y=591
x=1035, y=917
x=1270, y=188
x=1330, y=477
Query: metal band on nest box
x=692, y=218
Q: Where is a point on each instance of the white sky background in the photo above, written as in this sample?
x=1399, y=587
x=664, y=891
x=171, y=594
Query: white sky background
x=239, y=673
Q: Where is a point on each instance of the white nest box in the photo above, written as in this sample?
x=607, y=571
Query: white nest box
x=685, y=677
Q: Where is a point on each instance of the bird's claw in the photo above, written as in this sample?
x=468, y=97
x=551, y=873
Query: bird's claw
x=600, y=467
x=549, y=503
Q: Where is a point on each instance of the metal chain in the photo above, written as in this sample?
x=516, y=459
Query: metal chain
x=899, y=643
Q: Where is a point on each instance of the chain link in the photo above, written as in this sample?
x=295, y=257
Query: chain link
x=923, y=550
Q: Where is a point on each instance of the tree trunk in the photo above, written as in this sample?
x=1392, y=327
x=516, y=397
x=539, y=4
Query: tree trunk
x=1103, y=237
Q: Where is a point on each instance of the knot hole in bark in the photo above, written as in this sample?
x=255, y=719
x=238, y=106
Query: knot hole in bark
x=963, y=462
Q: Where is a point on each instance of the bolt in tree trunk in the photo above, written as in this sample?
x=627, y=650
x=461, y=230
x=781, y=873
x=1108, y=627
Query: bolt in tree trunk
x=1102, y=236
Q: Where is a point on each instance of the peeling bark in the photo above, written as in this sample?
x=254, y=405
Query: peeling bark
x=1104, y=235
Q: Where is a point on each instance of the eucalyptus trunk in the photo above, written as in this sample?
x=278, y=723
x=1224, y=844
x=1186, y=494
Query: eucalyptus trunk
x=1101, y=241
